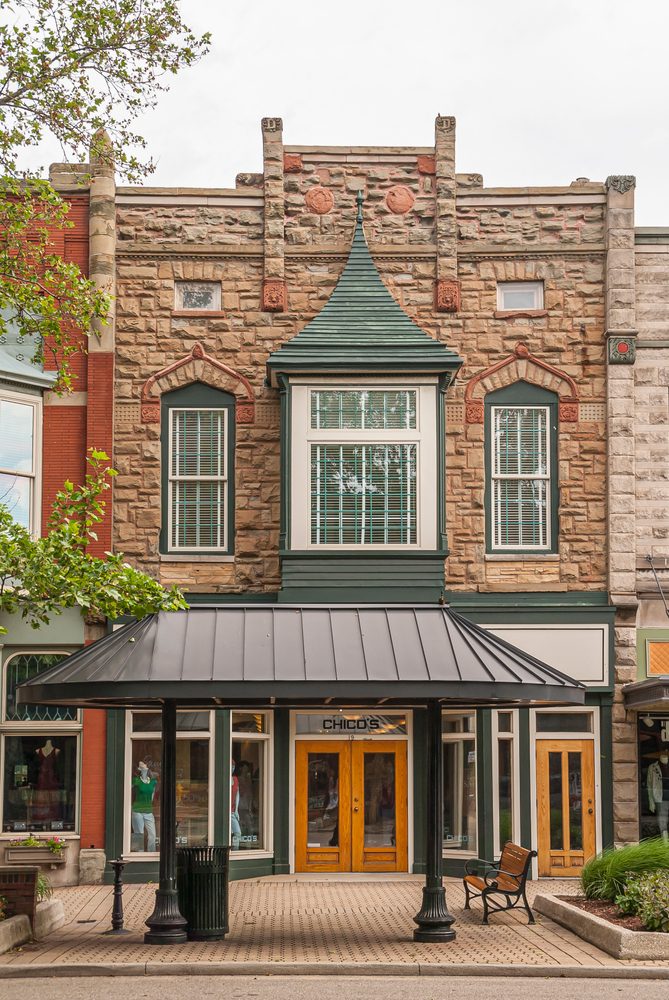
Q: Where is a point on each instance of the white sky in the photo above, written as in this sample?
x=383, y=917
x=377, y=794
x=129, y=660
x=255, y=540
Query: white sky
x=543, y=91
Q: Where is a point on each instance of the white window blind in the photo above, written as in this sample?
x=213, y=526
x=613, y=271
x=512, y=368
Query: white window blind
x=17, y=459
x=198, y=516
x=520, y=477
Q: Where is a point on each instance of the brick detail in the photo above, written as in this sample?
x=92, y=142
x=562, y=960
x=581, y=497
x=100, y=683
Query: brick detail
x=64, y=452
x=93, y=777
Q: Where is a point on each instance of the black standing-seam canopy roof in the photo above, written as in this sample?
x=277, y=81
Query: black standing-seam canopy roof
x=290, y=655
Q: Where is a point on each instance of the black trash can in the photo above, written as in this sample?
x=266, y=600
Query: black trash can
x=202, y=884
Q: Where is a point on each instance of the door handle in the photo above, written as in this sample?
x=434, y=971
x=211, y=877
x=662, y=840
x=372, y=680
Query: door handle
x=591, y=811
x=355, y=809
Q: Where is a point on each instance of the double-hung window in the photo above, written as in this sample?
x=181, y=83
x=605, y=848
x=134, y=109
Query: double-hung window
x=521, y=472
x=198, y=479
x=20, y=419
x=357, y=470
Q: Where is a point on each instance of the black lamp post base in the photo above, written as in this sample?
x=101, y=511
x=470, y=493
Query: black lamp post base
x=434, y=921
x=166, y=924
x=117, y=930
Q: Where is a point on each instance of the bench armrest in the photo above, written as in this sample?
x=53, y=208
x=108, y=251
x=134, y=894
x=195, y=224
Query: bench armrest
x=477, y=861
x=500, y=871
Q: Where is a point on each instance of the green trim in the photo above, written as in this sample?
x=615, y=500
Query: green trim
x=338, y=578
x=195, y=600
x=523, y=394
x=484, y=784
x=606, y=764
x=114, y=790
x=461, y=601
x=419, y=788
x=642, y=634
x=525, y=789
x=285, y=390
x=221, y=802
x=281, y=797
x=204, y=397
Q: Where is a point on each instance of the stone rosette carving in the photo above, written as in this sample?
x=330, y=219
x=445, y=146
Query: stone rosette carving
x=245, y=413
x=568, y=411
x=272, y=124
x=474, y=413
x=151, y=413
x=319, y=200
x=400, y=199
x=621, y=182
x=445, y=123
x=622, y=350
x=274, y=295
x=447, y=296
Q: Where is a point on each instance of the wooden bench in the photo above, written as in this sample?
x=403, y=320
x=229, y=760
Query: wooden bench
x=506, y=877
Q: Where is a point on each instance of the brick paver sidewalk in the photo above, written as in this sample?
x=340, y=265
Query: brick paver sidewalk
x=277, y=920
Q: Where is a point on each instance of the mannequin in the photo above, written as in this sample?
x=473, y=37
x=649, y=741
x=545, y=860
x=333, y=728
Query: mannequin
x=235, y=828
x=657, y=783
x=47, y=798
x=143, y=788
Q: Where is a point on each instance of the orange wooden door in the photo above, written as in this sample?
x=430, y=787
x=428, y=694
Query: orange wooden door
x=566, y=820
x=379, y=806
x=322, y=806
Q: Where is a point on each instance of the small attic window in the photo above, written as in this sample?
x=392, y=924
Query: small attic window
x=519, y=296
x=197, y=295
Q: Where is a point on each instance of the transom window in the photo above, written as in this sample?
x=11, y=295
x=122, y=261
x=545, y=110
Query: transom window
x=198, y=474
x=197, y=295
x=364, y=409
x=520, y=477
x=519, y=295
x=18, y=457
x=22, y=667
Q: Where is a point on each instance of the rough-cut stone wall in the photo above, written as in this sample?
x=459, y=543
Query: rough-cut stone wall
x=201, y=224
x=549, y=225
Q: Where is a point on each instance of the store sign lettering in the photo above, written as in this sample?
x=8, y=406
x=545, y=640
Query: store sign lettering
x=366, y=723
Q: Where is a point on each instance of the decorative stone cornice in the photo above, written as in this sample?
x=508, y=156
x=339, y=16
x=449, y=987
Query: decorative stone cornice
x=197, y=366
x=620, y=182
x=521, y=366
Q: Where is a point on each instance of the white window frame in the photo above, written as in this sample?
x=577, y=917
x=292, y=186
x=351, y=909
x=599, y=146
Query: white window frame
x=520, y=477
x=423, y=436
x=459, y=738
x=179, y=290
x=512, y=738
x=38, y=728
x=36, y=475
x=266, y=739
x=537, y=288
x=186, y=734
x=224, y=478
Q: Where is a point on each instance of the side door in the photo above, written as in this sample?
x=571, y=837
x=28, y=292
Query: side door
x=566, y=821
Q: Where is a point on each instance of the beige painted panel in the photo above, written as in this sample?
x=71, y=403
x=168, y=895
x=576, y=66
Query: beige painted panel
x=580, y=651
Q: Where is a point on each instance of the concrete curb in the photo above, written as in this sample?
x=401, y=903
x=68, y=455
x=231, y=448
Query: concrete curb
x=35, y=970
x=641, y=946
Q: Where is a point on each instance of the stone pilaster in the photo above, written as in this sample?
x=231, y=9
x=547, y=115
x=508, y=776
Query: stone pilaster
x=447, y=288
x=621, y=331
x=274, y=284
x=102, y=236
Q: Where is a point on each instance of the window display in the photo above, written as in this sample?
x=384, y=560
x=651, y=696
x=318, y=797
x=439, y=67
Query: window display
x=654, y=776
x=40, y=783
x=246, y=795
x=459, y=749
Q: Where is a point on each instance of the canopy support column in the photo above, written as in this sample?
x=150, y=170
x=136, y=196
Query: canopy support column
x=166, y=924
x=434, y=921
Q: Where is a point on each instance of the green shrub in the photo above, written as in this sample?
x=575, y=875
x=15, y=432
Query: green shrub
x=647, y=896
x=44, y=887
x=605, y=875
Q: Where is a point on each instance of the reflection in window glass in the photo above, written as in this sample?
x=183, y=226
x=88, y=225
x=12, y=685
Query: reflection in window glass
x=15, y=495
x=555, y=800
x=464, y=723
x=40, y=783
x=151, y=722
x=323, y=800
x=564, y=722
x=198, y=295
x=21, y=668
x=246, y=795
x=248, y=722
x=505, y=790
x=16, y=436
x=363, y=409
x=460, y=795
x=192, y=793
x=575, y=802
x=379, y=797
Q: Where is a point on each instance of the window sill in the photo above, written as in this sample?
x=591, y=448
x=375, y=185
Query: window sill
x=522, y=557
x=198, y=313
x=195, y=558
x=511, y=313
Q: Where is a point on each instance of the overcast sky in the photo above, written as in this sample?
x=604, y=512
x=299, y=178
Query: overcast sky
x=543, y=91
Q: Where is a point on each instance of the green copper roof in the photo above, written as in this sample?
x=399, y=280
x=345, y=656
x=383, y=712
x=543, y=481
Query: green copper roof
x=361, y=327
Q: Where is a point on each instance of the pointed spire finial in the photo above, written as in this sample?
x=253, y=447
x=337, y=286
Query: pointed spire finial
x=359, y=200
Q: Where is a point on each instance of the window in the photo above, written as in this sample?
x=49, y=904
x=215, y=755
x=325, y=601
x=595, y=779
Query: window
x=249, y=785
x=521, y=459
x=144, y=770
x=40, y=751
x=197, y=295
x=506, y=778
x=368, y=474
x=20, y=432
x=519, y=296
x=459, y=750
x=198, y=443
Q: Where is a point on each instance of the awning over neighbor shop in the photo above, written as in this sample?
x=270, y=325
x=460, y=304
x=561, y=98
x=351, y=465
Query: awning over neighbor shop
x=289, y=655
x=649, y=694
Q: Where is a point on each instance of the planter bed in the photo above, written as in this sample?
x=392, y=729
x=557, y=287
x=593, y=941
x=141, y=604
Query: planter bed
x=607, y=911
x=613, y=936
x=35, y=855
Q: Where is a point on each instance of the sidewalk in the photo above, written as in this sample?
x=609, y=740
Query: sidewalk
x=329, y=924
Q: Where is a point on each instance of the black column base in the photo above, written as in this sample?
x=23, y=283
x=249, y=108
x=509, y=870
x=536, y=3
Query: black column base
x=434, y=921
x=166, y=924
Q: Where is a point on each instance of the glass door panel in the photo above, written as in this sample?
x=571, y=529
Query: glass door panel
x=566, y=805
x=323, y=806
x=379, y=806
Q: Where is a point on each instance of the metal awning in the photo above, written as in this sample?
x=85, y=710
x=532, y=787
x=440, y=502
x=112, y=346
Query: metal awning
x=648, y=694
x=290, y=655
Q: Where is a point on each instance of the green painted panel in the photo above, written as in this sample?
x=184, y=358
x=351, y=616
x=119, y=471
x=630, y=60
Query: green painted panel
x=525, y=790
x=606, y=763
x=484, y=782
x=282, y=803
x=340, y=578
x=419, y=787
x=218, y=784
x=114, y=794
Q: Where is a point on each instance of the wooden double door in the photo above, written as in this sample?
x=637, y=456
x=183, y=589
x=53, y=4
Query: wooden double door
x=565, y=805
x=351, y=806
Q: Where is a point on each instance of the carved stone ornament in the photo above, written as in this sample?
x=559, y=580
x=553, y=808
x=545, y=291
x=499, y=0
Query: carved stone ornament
x=245, y=413
x=400, y=199
x=319, y=200
x=568, y=411
x=447, y=296
x=274, y=295
x=622, y=350
x=474, y=413
x=151, y=413
x=445, y=123
x=292, y=163
x=621, y=182
x=272, y=124
x=426, y=164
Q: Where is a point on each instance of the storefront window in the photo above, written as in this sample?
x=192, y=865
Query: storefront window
x=248, y=782
x=505, y=778
x=40, y=783
x=192, y=781
x=459, y=750
x=654, y=775
x=23, y=667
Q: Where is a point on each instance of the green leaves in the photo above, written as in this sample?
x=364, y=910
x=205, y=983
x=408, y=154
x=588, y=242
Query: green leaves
x=41, y=576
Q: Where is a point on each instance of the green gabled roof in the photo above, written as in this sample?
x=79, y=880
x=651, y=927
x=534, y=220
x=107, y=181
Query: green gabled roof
x=362, y=328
